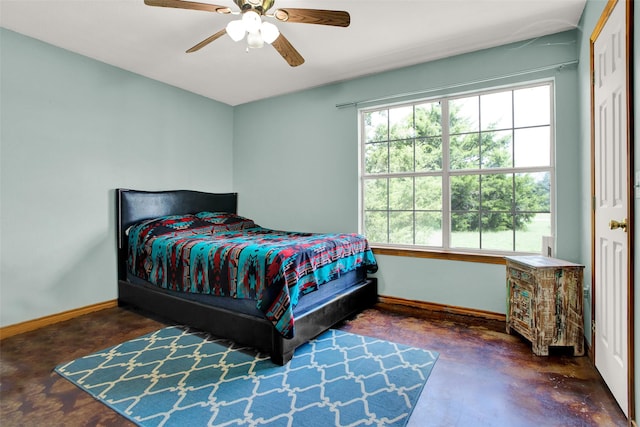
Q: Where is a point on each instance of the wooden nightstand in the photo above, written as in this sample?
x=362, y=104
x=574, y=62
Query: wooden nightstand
x=544, y=302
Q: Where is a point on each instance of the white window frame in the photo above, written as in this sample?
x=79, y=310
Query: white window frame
x=447, y=172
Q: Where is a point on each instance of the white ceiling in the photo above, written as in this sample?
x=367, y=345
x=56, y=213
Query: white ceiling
x=383, y=35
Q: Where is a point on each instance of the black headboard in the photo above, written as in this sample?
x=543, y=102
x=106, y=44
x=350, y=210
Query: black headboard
x=133, y=206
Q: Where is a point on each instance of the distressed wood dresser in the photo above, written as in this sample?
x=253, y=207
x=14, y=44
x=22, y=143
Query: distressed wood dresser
x=544, y=302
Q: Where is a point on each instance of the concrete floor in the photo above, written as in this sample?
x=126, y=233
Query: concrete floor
x=483, y=377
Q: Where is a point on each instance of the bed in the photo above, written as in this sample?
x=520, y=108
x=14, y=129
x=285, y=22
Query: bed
x=234, y=312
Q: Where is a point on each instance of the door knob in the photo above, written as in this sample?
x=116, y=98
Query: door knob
x=613, y=224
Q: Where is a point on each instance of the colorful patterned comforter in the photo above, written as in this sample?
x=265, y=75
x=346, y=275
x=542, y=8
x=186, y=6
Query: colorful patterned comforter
x=228, y=255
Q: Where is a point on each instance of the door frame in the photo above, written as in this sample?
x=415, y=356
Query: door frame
x=630, y=192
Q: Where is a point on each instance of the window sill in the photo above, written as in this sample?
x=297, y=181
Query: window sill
x=447, y=255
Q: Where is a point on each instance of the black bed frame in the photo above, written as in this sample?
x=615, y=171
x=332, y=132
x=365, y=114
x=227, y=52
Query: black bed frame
x=133, y=206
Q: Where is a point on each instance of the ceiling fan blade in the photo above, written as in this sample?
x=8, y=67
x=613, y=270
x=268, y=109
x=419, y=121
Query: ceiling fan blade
x=179, y=4
x=208, y=40
x=336, y=18
x=288, y=52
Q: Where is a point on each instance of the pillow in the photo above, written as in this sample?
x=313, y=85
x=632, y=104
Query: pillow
x=168, y=224
x=200, y=223
x=229, y=220
x=175, y=222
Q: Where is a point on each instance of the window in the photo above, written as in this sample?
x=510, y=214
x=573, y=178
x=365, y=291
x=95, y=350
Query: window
x=467, y=173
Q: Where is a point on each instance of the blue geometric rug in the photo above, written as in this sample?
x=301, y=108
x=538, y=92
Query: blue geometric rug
x=181, y=377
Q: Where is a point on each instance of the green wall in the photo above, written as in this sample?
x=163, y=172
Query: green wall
x=590, y=17
x=67, y=120
x=72, y=130
x=296, y=157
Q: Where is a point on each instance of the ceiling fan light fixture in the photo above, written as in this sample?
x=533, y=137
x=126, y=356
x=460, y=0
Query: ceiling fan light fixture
x=269, y=32
x=236, y=30
x=258, y=32
x=254, y=40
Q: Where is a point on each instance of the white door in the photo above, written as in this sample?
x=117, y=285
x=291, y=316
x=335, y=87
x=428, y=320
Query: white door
x=610, y=202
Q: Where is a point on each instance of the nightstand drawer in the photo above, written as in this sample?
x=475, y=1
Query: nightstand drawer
x=521, y=307
x=520, y=274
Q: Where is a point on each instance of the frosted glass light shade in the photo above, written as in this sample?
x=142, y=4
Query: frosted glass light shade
x=254, y=40
x=236, y=30
x=251, y=21
x=269, y=32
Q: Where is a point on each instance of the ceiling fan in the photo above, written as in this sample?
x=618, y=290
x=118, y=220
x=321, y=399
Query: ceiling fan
x=258, y=31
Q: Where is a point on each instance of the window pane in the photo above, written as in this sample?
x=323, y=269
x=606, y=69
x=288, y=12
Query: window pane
x=532, y=106
x=429, y=193
x=401, y=228
x=496, y=111
x=465, y=193
x=375, y=126
x=496, y=222
x=375, y=194
x=465, y=232
x=400, y=194
x=529, y=237
x=376, y=157
x=465, y=151
x=464, y=114
x=428, y=119
x=376, y=224
x=401, y=123
x=497, y=195
x=428, y=154
x=533, y=192
x=497, y=238
x=532, y=147
x=428, y=228
x=496, y=149
x=401, y=156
